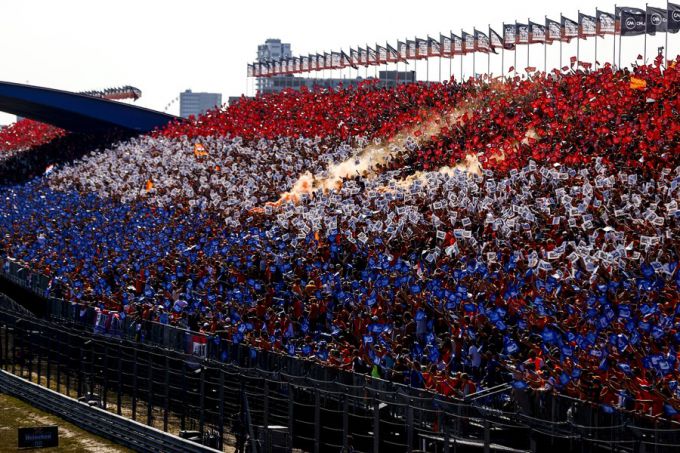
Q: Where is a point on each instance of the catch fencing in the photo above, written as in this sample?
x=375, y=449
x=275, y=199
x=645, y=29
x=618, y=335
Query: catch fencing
x=156, y=374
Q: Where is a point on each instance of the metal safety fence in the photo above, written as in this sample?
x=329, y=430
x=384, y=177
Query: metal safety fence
x=222, y=393
x=225, y=404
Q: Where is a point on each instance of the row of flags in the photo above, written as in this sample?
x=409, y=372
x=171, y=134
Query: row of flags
x=625, y=21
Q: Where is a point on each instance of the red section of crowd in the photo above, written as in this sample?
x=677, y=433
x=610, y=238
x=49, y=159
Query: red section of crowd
x=568, y=120
x=27, y=134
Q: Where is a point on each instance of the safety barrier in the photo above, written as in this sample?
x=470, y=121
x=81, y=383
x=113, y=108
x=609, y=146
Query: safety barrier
x=95, y=420
x=287, y=402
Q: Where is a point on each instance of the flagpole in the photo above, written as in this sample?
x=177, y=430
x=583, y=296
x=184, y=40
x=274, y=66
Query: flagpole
x=451, y=56
x=515, y=49
x=578, y=40
x=644, y=57
x=440, y=65
x=503, y=60
x=619, y=65
x=528, y=42
x=462, y=44
x=665, y=47
x=488, y=55
x=597, y=35
x=614, y=40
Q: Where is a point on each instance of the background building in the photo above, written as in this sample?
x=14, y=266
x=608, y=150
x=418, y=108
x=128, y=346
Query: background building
x=191, y=103
x=272, y=49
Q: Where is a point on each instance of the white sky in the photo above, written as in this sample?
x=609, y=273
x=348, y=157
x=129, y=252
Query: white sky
x=164, y=47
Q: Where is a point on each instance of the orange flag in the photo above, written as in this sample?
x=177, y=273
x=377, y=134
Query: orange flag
x=637, y=84
x=149, y=185
x=199, y=150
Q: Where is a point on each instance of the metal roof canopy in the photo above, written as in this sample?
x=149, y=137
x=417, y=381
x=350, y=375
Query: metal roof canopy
x=77, y=112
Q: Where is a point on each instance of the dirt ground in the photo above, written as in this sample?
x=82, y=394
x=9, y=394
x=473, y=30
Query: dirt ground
x=15, y=413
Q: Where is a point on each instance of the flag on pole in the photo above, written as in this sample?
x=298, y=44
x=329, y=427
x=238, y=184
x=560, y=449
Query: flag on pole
x=605, y=23
x=433, y=47
x=354, y=58
x=421, y=48
x=482, y=43
x=363, y=56
x=457, y=44
x=446, y=46
x=381, y=52
x=346, y=60
x=392, y=54
x=372, y=56
x=509, y=36
x=569, y=29
x=328, y=61
x=630, y=21
x=587, y=26
x=537, y=33
x=553, y=30
x=403, y=50
x=412, y=49
x=495, y=40
x=522, y=36
x=657, y=20
x=251, y=70
x=673, y=18
x=468, y=43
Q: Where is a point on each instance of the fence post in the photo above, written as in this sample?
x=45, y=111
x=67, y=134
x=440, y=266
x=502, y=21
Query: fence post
x=317, y=420
x=409, y=426
x=447, y=433
x=79, y=389
x=119, y=387
x=376, y=426
x=167, y=393
x=59, y=356
x=182, y=420
x=28, y=355
x=265, y=415
x=6, y=359
x=487, y=437
x=221, y=411
x=14, y=350
x=134, y=384
x=48, y=365
x=105, y=372
x=291, y=412
x=345, y=420
x=149, y=403
x=39, y=350
x=201, y=422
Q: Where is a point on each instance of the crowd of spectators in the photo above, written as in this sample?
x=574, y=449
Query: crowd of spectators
x=554, y=266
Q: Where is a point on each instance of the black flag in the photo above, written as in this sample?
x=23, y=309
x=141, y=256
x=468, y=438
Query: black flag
x=631, y=21
x=673, y=18
x=657, y=20
x=606, y=23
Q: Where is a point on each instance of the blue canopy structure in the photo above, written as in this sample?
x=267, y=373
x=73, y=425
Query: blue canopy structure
x=77, y=112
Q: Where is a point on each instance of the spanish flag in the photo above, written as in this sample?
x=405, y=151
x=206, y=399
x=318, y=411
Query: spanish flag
x=199, y=150
x=637, y=84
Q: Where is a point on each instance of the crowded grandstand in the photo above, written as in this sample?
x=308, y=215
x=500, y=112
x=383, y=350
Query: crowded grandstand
x=447, y=236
